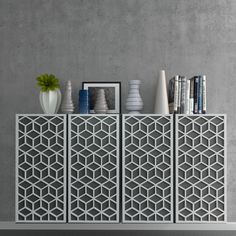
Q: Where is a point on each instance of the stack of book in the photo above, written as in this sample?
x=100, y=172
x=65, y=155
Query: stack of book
x=187, y=96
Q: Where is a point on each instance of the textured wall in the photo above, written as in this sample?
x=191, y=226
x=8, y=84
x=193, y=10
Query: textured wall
x=87, y=40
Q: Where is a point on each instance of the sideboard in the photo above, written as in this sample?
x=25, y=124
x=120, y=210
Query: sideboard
x=111, y=168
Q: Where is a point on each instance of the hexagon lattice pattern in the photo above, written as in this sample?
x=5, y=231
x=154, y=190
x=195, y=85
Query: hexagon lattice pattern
x=40, y=168
x=94, y=168
x=200, y=166
x=147, y=168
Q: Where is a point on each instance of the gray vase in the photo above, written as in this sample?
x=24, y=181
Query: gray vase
x=67, y=105
x=100, y=106
x=134, y=102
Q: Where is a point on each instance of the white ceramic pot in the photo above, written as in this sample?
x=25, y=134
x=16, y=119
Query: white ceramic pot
x=50, y=101
x=134, y=102
x=161, y=102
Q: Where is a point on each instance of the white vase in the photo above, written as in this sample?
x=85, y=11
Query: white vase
x=50, y=101
x=67, y=105
x=134, y=102
x=161, y=105
x=100, y=106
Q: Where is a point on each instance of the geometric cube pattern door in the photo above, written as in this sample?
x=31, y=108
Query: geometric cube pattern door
x=147, y=169
x=94, y=168
x=200, y=168
x=40, y=168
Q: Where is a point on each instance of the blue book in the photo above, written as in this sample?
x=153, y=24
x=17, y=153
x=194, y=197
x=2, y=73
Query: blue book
x=200, y=90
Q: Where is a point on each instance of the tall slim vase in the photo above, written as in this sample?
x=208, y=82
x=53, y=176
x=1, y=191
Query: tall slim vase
x=161, y=101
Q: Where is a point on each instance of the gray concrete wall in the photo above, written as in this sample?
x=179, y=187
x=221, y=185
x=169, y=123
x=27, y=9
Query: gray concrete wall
x=88, y=40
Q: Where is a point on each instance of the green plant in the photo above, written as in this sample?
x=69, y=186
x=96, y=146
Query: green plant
x=47, y=82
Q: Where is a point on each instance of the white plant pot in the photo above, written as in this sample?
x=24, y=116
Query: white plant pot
x=50, y=101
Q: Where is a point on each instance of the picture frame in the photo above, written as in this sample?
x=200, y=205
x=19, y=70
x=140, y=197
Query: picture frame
x=112, y=93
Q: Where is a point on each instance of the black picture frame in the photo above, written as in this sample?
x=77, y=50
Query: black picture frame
x=111, y=88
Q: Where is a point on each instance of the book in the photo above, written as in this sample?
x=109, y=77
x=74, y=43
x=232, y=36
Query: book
x=179, y=95
x=204, y=94
x=183, y=94
x=191, y=97
x=176, y=93
x=171, y=95
x=200, y=95
x=187, y=99
x=196, y=88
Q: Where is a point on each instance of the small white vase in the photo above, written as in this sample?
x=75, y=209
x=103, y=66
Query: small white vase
x=161, y=105
x=134, y=102
x=67, y=105
x=100, y=106
x=50, y=101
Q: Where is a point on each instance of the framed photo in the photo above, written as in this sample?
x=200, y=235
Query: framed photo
x=112, y=93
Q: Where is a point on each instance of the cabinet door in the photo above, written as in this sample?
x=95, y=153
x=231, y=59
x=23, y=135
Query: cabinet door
x=200, y=168
x=40, y=168
x=147, y=169
x=94, y=168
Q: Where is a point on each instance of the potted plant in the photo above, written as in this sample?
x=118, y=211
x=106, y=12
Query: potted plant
x=50, y=94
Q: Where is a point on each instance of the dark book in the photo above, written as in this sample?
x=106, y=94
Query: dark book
x=183, y=94
x=191, y=97
x=196, y=88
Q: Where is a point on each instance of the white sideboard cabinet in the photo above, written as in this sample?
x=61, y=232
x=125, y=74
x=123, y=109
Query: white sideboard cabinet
x=200, y=154
x=94, y=172
x=111, y=168
x=41, y=152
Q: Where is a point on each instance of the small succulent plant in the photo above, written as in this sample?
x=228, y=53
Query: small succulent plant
x=48, y=82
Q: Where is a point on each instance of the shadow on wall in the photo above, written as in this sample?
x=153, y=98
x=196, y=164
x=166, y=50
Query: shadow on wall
x=115, y=233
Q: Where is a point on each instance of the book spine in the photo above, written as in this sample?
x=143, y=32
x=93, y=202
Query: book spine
x=187, y=99
x=183, y=94
x=204, y=94
x=179, y=95
x=191, y=97
x=171, y=95
x=196, y=81
x=176, y=94
x=200, y=95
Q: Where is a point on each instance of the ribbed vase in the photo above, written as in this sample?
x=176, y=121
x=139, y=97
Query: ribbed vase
x=100, y=106
x=134, y=102
x=67, y=105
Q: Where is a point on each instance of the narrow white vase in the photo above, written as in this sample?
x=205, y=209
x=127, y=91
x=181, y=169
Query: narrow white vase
x=100, y=106
x=161, y=101
x=67, y=105
x=50, y=101
x=134, y=102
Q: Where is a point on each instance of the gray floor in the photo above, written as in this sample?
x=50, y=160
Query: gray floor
x=116, y=233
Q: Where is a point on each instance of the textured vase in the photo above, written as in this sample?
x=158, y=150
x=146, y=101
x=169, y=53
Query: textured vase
x=161, y=101
x=67, y=105
x=134, y=102
x=50, y=101
x=100, y=103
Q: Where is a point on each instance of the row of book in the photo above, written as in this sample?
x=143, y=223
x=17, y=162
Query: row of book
x=187, y=96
